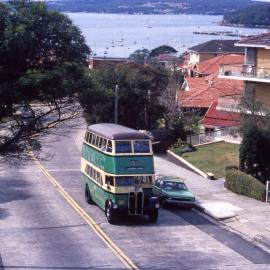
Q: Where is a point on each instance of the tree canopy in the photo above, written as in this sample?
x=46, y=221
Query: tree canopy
x=254, y=16
x=164, y=49
x=43, y=64
x=139, y=89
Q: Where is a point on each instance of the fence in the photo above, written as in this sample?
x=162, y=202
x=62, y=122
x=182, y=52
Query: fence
x=228, y=133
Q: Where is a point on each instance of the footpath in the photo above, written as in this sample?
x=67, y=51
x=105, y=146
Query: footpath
x=248, y=217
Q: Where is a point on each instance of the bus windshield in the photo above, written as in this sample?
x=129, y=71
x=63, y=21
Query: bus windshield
x=124, y=181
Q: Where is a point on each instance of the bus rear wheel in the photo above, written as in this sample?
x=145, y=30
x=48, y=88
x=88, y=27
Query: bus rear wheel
x=88, y=197
x=110, y=215
x=153, y=216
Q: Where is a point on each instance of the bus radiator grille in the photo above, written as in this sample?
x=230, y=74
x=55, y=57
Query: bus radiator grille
x=136, y=203
x=132, y=203
x=139, y=203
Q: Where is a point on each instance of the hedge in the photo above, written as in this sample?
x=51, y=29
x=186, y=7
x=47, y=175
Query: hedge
x=242, y=183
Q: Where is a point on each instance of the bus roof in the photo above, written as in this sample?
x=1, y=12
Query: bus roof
x=117, y=132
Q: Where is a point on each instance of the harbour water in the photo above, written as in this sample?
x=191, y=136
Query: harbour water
x=117, y=35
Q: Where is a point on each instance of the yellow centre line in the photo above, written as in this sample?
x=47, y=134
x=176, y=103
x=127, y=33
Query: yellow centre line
x=88, y=219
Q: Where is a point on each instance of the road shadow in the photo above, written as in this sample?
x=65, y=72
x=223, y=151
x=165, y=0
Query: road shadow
x=3, y=214
x=13, y=190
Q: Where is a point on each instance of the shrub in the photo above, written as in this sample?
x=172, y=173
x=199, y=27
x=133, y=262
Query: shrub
x=254, y=153
x=179, y=149
x=241, y=183
x=229, y=167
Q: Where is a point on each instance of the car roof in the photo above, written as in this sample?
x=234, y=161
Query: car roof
x=171, y=178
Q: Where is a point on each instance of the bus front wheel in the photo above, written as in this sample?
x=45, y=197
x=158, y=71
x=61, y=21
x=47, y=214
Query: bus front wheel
x=88, y=197
x=110, y=215
x=153, y=216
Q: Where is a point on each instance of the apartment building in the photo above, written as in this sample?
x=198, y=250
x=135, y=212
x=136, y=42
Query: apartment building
x=255, y=72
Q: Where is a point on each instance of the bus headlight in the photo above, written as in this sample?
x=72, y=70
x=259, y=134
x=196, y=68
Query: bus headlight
x=115, y=206
x=157, y=205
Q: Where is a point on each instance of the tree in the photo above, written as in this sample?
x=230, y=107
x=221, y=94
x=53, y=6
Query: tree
x=43, y=65
x=164, y=49
x=254, y=153
x=140, y=56
x=140, y=87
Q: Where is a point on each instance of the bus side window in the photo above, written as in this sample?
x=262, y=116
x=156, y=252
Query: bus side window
x=90, y=137
x=99, y=180
x=109, y=180
x=91, y=172
x=109, y=146
x=87, y=169
x=86, y=136
x=103, y=145
x=93, y=139
x=96, y=141
x=100, y=142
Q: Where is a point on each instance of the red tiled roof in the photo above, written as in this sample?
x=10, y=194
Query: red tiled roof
x=212, y=65
x=214, y=117
x=203, y=91
x=262, y=39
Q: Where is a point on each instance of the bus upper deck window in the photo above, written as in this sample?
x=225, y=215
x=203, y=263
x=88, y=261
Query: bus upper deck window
x=141, y=147
x=93, y=139
x=123, y=147
x=89, y=137
x=109, y=146
x=100, y=142
x=96, y=141
x=103, y=144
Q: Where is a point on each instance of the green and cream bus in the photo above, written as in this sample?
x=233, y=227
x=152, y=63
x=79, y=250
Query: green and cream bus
x=118, y=171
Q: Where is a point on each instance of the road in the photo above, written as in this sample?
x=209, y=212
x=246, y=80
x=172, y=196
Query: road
x=39, y=229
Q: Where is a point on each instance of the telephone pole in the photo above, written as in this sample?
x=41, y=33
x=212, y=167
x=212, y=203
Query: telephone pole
x=116, y=104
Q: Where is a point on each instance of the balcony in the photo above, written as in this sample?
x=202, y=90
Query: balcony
x=244, y=72
x=230, y=103
x=241, y=104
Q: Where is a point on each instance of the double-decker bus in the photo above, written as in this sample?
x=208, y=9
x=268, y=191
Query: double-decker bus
x=118, y=171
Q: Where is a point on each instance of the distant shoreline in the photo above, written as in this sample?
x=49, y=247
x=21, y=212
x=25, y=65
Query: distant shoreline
x=244, y=26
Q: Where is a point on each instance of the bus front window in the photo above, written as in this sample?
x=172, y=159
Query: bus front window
x=124, y=181
x=123, y=147
x=141, y=147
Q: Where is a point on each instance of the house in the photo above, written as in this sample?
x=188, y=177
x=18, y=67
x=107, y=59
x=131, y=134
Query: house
x=255, y=73
x=97, y=62
x=216, y=120
x=212, y=65
x=213, y=48
x=167, y=60
x=200, y=92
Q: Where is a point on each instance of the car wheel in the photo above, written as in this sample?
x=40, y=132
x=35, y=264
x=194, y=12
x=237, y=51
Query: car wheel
x=88, y=197
x=110, y=215
x=153, y=216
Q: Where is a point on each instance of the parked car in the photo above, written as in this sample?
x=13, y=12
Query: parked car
x=173, y=191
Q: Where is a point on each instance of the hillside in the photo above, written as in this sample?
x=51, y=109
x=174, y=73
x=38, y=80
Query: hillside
x=254, y=16
x=150, y=6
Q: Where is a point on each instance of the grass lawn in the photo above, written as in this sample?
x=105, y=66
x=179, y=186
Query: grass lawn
x=214, y=157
